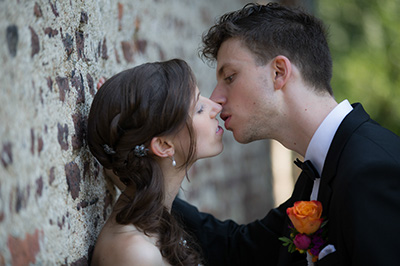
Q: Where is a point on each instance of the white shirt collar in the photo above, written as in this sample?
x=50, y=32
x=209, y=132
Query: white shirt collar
x=322, y=138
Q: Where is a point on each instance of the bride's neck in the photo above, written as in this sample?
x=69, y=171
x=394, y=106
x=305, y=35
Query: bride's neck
x=172, y=185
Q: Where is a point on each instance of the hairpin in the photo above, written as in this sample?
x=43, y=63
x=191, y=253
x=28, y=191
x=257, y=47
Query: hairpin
x=108, y=149
x=140, y=151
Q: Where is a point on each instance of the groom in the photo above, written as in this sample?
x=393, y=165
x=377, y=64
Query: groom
x=273, y=82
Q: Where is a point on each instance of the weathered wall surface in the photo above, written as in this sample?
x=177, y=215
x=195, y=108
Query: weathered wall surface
x=53, y=195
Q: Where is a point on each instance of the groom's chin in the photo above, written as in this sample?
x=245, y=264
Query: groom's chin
x=241, y=139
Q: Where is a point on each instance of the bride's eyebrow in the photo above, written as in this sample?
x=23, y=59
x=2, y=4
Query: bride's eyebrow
x=196, y=100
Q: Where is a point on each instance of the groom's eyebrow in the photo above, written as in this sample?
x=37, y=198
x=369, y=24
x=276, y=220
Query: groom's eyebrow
x=221, y=70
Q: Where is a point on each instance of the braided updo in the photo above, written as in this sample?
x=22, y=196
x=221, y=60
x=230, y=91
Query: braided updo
x=131, y=108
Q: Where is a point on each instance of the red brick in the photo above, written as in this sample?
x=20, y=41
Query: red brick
x=24, y=251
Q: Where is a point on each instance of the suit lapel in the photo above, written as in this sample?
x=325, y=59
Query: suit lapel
x=349, y=124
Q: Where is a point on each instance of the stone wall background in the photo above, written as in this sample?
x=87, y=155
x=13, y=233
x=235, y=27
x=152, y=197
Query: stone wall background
x=54, y=197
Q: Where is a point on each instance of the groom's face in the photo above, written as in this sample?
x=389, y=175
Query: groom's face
x=245, y=92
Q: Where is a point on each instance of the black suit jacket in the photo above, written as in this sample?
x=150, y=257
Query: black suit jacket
x=360, y=194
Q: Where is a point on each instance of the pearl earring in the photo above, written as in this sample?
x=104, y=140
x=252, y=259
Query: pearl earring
x=173, y=161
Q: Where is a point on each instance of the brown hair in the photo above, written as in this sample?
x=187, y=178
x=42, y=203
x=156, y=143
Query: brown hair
x=271, y=30
x=130, y=109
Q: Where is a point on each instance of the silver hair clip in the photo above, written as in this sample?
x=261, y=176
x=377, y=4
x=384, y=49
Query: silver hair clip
x=108, y=149
x=140, y=151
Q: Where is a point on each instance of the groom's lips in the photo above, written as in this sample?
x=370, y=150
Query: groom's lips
x=226, y=118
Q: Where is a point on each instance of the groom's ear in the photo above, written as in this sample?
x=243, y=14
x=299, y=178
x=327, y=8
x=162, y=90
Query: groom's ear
x=282, y=70
x=162, y=147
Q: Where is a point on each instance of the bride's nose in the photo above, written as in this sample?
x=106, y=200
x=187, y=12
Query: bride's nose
x=215, y=108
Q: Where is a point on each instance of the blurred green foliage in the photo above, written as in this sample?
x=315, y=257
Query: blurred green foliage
x=364, y=37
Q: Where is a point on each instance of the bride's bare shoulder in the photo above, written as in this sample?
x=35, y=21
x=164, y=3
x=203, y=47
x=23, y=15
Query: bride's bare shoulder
x=125, y=247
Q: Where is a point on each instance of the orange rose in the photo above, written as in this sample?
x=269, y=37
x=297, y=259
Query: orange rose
x=306, y=216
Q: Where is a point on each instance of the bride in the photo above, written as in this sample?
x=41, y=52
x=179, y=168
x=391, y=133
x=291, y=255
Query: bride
x=149, y=124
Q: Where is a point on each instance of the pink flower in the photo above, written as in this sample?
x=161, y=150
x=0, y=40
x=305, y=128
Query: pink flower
x=302, y=241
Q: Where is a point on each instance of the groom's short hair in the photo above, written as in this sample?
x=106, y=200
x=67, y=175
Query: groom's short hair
x=271, y=30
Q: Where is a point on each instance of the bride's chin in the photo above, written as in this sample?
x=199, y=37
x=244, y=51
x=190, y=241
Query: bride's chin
x=218, y=151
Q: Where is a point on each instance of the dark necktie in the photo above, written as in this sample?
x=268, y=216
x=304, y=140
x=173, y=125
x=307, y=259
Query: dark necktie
x=303, y=187
x=308, y=168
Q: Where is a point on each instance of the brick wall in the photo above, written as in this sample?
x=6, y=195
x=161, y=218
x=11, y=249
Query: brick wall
x=53, y=195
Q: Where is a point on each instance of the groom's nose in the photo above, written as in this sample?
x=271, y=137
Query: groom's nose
x=218, y=95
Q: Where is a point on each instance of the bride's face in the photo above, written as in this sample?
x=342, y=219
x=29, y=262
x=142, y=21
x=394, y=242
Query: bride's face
x=207, y=132
x=206, y=127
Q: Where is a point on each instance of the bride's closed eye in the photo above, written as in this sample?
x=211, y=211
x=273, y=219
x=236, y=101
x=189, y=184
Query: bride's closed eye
x=200, y=108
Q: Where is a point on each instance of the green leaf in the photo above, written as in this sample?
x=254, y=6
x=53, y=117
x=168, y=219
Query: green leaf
x=364, y=40
x=292, y=248
x=285, y=239
x=324, y=223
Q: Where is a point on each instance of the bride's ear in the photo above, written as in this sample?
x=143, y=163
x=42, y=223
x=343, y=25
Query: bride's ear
x=162, y=147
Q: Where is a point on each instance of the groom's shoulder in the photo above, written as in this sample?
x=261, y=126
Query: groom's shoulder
x=373, y=134
x=370, y=143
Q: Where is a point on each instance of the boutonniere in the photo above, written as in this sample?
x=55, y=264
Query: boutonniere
x=307, y=228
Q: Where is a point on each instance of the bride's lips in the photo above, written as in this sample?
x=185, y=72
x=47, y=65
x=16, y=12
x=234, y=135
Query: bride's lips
x=220, y=130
